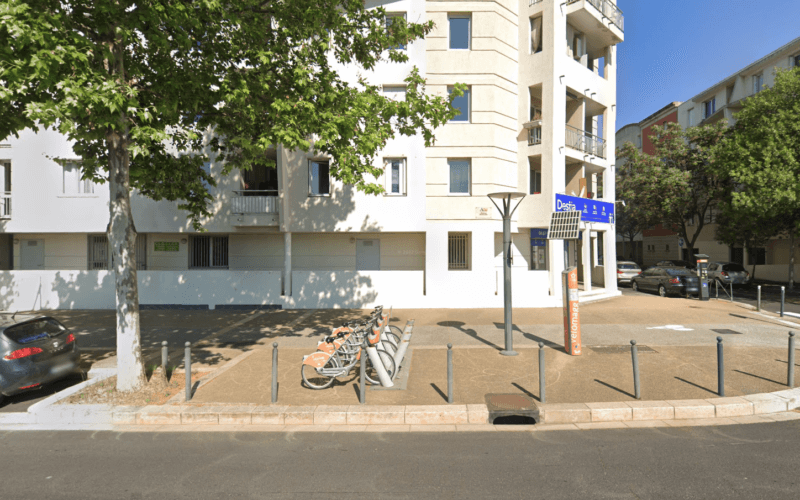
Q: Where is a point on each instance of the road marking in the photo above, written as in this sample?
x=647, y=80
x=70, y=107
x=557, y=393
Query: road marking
x=677, y=328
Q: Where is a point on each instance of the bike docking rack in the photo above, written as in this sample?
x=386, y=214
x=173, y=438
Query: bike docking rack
x=385, y=345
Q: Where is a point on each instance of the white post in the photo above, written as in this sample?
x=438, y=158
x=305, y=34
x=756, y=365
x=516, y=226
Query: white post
x=610, y=260
x=287, y=264
x=587, y=259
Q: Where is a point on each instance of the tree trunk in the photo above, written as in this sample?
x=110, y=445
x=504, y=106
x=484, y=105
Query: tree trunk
x=122, y=236
x=791, y=259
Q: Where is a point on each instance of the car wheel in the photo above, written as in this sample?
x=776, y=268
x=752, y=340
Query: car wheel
x=635, y=286
x=1, y=399
x=662, y=291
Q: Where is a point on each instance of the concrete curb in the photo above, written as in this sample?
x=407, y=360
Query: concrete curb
x=570, y=415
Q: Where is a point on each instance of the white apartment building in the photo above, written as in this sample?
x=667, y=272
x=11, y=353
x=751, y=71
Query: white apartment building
x=538, y=118
x=716, y=103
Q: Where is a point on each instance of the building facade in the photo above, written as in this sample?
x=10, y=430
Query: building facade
x=537, y=118
x=717, y=103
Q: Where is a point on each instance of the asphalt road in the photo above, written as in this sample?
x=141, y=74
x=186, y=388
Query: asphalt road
x=743, y=461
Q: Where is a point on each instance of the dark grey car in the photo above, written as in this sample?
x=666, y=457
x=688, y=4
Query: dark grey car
x=667, y=280
x=34, y=350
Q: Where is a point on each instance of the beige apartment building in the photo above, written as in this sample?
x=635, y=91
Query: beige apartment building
x=719, y=102
x=537, y=118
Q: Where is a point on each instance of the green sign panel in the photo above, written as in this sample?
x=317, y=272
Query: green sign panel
x=166, y=246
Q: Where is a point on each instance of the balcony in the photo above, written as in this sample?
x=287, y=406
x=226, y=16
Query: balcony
x=252, y=202
x=534, y=132
x=5, y=205
x=608, y=10
x=586, y=142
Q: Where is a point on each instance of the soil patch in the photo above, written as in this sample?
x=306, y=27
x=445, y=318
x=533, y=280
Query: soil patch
x=156, y=391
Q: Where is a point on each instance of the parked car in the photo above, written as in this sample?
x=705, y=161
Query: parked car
x=667, y=280
x=727, y=273
x=626, y=270
x=677, y=263
x=34, y=350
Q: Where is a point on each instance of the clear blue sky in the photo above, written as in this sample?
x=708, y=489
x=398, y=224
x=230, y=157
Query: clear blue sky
x=675, y=49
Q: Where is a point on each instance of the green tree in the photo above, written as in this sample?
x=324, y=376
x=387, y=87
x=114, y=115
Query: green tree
x=137, y=85
x=675, y=185
x=628, y=226
x=761, y=157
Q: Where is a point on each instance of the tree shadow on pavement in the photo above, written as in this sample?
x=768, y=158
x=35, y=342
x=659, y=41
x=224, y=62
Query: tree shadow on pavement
x=472, y=333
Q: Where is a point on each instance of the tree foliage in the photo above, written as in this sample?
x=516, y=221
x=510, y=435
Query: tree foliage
x=761, y=158
x=138, y=85
x=675, y=185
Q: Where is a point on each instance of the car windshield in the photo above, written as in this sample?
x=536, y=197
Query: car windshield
x=627, y=266
x=737, y=268
x=679, y=272
x=34, y=330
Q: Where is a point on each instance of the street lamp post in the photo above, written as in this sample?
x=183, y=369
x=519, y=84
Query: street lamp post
x=507, y=211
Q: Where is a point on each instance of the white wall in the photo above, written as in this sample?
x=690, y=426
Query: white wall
x=26, y=290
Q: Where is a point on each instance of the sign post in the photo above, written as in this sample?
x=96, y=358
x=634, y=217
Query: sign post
x=572, y=321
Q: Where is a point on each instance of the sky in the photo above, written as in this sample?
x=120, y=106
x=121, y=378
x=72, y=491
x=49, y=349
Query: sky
x=675, y=49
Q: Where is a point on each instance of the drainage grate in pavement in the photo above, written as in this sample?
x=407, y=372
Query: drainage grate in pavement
x=619, y=349
x=725, y=331
x=508, y=405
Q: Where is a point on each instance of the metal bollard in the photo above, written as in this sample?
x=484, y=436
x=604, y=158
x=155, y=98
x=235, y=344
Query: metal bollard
x=542, y=396
x=362, y=386
x=274, y=372
x=449, y=373
x=716, y=287
x=791, y=360
x=720, y=369
x=164, y=353
x=758, y=303
x=731, y=291
x=635, y=356
x=783, y=299
x=187, y=363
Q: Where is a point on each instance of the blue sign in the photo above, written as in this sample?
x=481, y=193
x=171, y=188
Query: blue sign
x=538, y=237
x=591, y=210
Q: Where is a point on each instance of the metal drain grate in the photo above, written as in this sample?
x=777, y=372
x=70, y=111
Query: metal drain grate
x=620, y=349
x=504, y=405
x=726, y=331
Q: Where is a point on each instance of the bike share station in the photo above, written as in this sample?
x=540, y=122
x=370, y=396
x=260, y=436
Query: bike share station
x=564, y=225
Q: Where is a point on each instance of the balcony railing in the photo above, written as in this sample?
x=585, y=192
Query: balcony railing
x=608, y=9
x=534, y=2
x=5, y=205
x=534, y=132
x=255, y=202
x=586, y=142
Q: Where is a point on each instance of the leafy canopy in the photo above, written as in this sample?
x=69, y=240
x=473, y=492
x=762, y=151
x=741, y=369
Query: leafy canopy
x=163, y=73
x=675, y=184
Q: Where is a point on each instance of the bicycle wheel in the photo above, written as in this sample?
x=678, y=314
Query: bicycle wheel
x=315, y=380
x=372, y=374
x=396, y=333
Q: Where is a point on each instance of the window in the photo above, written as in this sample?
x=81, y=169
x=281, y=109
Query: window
x=319, y=182
x=667, y=248
x=395, y=169
x=690, y=114
x=391, y=18
x=600, y=249
x=756, y=256
x=395, y=93
x=207, y=252
x=458, y=251
x=459, y=31
x=758, y=82
x=639, y=141
x=462, y=104
x=536, y=181
x=709, y=107
x=538, y=255
x=796, y=61
x=100, y=257
x=459, y=176
x=536, y=35
x=71, y=179
x=710, y=216
x=737, y=255
x=599, y=186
